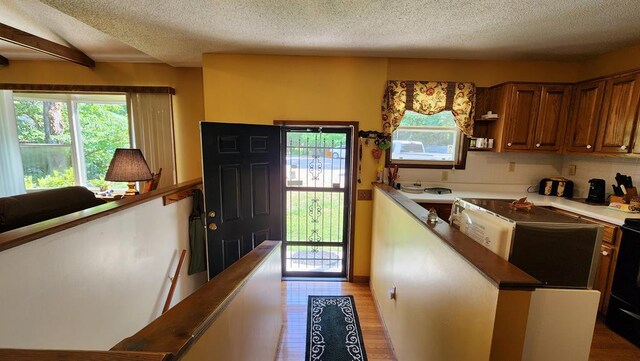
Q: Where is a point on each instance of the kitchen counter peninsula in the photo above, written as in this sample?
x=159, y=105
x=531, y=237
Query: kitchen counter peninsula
x=443, y=296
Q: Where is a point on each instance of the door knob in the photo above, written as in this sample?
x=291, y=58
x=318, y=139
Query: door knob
x=212, y=214
x=213, y=226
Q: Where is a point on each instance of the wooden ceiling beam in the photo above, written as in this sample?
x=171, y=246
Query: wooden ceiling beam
x=3, y=61
x=33, y=42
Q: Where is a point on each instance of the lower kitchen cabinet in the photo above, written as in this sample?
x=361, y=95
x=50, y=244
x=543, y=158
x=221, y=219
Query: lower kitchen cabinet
x=604, y=277
x=443, y=209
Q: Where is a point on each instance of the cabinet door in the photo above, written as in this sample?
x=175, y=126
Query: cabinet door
x=618, y=115
x=522, y=112
x=552, y=118
x=602, y=282
x=585, y=114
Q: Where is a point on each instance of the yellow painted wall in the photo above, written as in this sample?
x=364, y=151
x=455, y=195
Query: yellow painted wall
x=483, y=72
x=260, y=89
x=188, y=103
x=612, y=62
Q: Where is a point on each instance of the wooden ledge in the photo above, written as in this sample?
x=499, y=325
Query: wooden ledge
x=499, y=271
x=19, y=236
x=183, y=324
x=59, y=355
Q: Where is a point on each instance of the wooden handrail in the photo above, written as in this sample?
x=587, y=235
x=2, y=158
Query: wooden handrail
x=174, y=282
x=19, y=236
x=183, y=324
x=60, y=355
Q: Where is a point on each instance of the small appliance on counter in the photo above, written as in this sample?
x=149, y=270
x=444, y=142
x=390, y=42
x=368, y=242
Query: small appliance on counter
x=596, y=190
x=558, y=250
x=556, y=186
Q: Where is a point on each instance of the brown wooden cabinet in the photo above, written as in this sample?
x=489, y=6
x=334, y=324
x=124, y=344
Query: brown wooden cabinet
x=443, y=209
x=585, y=117
x=605, y=273
x=552, y=118
x=535, y=116
x=618, y=116
x=520, y=120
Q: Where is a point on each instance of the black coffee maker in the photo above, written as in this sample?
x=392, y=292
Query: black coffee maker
x=596, y=191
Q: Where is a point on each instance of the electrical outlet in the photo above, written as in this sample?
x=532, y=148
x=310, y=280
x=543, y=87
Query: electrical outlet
x=512, y=166
x=445, y=175
x=571, y=169
x=365, y=194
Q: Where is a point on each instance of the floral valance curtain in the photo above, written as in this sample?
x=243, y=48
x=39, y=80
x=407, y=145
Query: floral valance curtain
x=428, y=97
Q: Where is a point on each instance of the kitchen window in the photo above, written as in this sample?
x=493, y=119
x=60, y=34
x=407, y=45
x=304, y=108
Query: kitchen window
x=69, y=139
x=427, y=141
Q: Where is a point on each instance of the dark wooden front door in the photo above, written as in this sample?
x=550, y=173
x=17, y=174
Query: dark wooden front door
x=243, y=189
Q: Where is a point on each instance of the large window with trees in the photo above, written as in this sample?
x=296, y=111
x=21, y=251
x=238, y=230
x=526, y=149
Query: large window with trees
x=69, y=139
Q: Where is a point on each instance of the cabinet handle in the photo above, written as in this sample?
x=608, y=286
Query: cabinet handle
x=623, y=147
x=508, y=144
x=538, y=145
x=605, y=253
x=588, y=146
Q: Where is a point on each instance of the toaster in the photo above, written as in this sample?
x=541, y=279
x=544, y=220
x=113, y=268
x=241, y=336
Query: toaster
x=559, y=187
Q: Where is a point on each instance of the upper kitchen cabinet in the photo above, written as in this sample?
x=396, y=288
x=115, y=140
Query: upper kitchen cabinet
x=535, y=116
x=618, y=117
x=520, y=119
x=585, y=117
x=552, y=118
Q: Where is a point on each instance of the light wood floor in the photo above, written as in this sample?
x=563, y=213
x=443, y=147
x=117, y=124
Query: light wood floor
x=606, y=346
x=609, y=346
x=295, y=295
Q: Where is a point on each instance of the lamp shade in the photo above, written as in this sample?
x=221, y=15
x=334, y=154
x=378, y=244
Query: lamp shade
x=128, y=165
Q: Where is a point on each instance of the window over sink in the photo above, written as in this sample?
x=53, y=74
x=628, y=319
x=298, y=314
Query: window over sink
x=427, y=141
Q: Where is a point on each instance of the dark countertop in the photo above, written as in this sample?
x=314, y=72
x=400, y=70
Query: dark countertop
x=536, y=214
x=499, y=271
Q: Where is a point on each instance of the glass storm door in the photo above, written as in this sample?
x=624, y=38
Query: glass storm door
x=316, y=201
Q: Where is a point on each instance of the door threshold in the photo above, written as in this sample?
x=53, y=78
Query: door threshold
x=315, y=279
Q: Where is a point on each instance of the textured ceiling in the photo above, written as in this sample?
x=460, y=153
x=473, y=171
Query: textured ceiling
x=178, y=32
x=41, y=20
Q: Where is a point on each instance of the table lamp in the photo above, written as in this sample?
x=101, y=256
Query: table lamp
x=128, y=165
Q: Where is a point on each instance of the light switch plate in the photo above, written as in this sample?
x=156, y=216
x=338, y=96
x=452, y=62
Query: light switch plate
x=571, y=169
x=512, y=166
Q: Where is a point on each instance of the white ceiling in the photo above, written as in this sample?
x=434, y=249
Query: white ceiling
x=179, y=32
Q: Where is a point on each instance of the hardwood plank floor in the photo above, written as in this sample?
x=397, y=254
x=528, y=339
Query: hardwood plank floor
x=606, y=345
x=609, y=346
x=295, y=295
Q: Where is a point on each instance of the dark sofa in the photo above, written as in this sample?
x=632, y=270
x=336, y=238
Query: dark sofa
x=25, y=209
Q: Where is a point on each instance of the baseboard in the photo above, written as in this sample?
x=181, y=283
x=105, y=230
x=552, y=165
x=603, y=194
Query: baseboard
x=384, y=325
x=361, y=279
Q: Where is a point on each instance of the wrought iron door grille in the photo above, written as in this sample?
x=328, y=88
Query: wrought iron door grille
x=316, y=190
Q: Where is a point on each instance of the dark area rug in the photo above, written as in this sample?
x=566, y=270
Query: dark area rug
x=333, y=330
